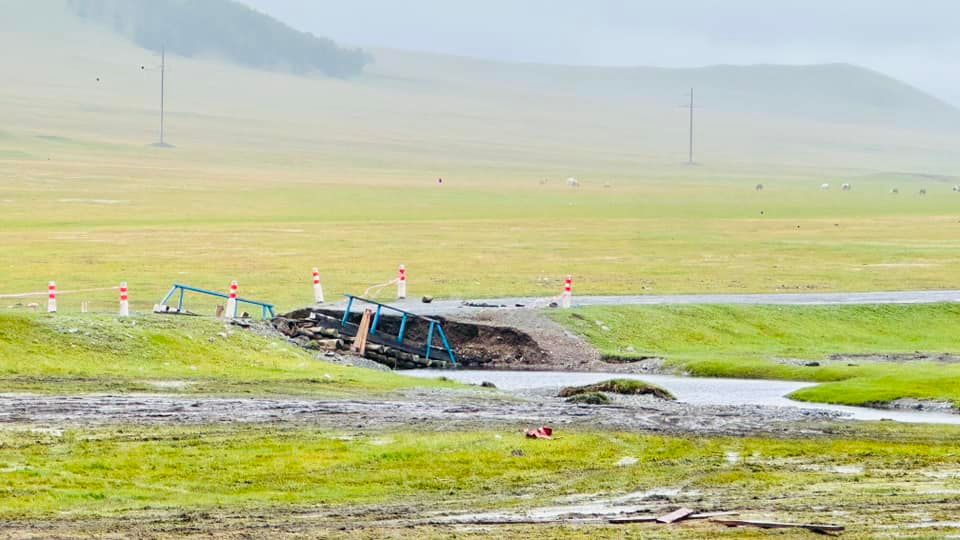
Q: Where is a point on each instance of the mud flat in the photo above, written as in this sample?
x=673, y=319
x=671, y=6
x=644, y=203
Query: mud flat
x=422, y=409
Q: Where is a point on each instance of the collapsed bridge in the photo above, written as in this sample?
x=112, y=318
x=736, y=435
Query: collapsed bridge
x=399, y=339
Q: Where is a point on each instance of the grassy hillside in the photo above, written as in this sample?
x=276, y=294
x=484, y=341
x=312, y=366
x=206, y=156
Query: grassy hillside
x=776, y=343
x=829, y=93
x=63, y=355
x=221, y=28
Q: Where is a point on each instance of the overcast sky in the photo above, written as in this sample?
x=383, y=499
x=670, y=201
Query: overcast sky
x=917, y=41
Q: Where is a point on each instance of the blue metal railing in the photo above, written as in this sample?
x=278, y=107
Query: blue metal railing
x=267, y=311
x=435, y=329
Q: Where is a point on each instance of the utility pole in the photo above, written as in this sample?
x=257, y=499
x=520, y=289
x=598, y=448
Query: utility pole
x=163, y=96
x=691, y=126
x=163, y=75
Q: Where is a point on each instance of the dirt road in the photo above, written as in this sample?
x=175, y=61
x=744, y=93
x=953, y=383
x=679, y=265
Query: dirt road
x=453, y=307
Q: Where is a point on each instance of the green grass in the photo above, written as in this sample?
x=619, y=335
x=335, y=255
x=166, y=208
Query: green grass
x=264, y=185
x=590, y=398
x=626, y=387
x=767, y=342
x=64, y=355
x=105, y=472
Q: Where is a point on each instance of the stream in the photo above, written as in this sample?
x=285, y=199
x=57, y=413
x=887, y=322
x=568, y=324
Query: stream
x=693, y=390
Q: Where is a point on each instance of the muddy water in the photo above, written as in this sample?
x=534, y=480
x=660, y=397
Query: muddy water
x=696, y=391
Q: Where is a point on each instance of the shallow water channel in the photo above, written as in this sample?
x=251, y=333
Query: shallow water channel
x=693, y=390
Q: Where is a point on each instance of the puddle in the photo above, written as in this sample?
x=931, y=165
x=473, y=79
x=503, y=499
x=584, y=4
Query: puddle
x=170, y=385
x=631, y=503
x=692, y=390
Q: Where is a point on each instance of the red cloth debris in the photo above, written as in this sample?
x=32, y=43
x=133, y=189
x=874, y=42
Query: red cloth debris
x=540, y=433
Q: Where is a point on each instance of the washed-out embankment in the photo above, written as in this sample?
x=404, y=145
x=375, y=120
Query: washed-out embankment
x=475, y=345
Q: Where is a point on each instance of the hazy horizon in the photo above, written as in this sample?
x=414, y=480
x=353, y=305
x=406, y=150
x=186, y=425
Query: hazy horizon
x=914, y=44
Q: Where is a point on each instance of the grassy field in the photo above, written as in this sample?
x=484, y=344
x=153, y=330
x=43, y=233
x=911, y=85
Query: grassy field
x=91, y=218
x=274, y=175
x=66, y=355
x=129, y=471
x=775, y=342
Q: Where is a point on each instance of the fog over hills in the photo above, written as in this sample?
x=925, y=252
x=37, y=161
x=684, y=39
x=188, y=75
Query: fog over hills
x=915, y=42
x=224, y=28
x=82, y=78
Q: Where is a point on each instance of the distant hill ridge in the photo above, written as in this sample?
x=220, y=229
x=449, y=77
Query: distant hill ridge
x=224, y=28
x=836, y=93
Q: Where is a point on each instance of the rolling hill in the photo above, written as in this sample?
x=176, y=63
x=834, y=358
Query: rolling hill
x=414, y=111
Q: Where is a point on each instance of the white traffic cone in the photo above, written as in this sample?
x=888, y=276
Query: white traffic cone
x=232, y=301
x=52, y=297
x=402, y=283
x=317, y=287
x=124, y=300
x=567, y=298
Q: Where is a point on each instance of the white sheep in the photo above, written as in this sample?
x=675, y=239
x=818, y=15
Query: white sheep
x=825, y=187
x=573, y=182
x=847, y=187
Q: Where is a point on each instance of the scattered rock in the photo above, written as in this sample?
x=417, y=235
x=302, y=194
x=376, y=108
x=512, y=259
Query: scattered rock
x=911, y=404
x=628, y=462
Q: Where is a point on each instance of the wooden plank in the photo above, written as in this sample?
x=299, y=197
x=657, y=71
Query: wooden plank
x=651, y=519
x=708, y=515
x=634, y=519
x=676, y=515
x=360, y=345
x=775, y=525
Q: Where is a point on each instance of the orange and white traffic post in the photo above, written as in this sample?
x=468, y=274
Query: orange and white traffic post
x=402, y=283
x=232, y=301
x=567, y=298
x=52, y=297
x=317, y=287
x=124, y=300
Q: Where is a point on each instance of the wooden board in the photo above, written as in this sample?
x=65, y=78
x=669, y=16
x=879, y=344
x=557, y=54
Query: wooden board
x=775, y=525
x=360, y=345
x=676, y=515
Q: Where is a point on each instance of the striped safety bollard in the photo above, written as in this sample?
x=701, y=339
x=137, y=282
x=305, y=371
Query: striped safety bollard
x=232, y=301
x=317, y=287
x=402, y=283
x=52, y=297
x=567, y=297
x=124, y=300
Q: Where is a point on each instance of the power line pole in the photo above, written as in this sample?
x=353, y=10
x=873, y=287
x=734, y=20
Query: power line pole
x=163, y=75
x=690, y=161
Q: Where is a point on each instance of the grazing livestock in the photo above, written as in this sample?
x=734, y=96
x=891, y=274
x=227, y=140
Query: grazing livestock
x=923, y=192
x=895, y=191
x=759, y=187
x=847, y=187
x=573, y=182
x=956, y=189
x=825, y=187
